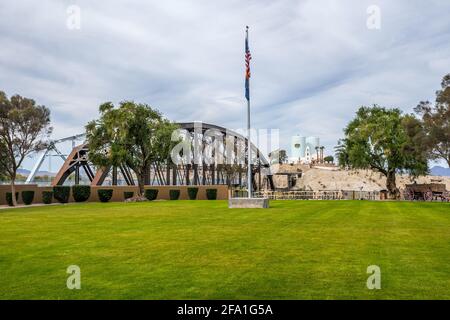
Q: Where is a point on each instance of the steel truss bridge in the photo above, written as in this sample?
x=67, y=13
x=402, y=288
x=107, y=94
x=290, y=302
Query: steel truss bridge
x=233, y=173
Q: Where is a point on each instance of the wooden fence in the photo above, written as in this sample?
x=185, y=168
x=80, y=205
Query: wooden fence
x=319, y=195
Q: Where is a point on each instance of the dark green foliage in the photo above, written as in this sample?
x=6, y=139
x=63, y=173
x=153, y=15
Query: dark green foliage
x=211, y=194
x=47, y=197
x=174, y=194
x=128, y=194
x=151, y=194
x=9, y=198
x=23, y=124
x=61, y=193
x=132, y=133
x=279, y=156
x=192, y=193
x=435, y=119
x=27, y=197
x=81, y=193
x=328, y=159
x=105, y=194
x=386, y=141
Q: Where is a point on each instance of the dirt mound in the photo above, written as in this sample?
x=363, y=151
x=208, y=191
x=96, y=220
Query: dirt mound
x=333, y=178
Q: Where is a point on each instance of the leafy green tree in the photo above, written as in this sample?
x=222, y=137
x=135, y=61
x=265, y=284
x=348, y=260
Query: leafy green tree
x=3, y=155
x=436, y=123
x=133, y=134
x=386, y=141
x=283, y=156
x=24, y=127
x=279, y=155
x=328, y=159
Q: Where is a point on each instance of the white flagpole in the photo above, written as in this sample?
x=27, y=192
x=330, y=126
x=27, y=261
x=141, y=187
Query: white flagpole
x=249, y=152
x=249, y=144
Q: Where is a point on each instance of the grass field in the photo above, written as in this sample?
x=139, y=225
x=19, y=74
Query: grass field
x=203, y=250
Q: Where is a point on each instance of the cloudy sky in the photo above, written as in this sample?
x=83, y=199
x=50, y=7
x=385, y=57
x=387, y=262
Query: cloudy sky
x=314, y=61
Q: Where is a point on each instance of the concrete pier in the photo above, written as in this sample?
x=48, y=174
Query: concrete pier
x=262, y=203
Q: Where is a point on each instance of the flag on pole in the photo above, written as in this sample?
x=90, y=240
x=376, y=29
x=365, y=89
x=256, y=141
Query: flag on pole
x=248, y=57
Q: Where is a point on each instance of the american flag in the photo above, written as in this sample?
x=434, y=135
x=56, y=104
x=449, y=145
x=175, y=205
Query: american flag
x=248, y=57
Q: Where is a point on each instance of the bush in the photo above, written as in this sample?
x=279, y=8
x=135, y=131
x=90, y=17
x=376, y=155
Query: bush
x=328, y=159
x=47, y=197
x=27, y=197
x=81, y=193
x=211, y=194
x=105, y=194
x=174, y=194
x=128, y=194
x=9, y=198
x=192, y=193
x=151, y=194
x=61, y=193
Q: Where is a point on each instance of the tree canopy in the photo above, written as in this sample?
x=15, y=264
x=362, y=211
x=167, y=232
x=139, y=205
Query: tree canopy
x=383, y=140
x=3, y=155
x=133, y=134
x=24, y=129
x=328, y=159
x=436, y=123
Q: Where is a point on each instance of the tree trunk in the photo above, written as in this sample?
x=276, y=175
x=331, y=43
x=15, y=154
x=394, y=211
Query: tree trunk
x=141, y=191
x=391, y=185
x=13, y=192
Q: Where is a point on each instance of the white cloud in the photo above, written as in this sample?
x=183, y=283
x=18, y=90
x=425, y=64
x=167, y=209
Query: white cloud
x=314, y=63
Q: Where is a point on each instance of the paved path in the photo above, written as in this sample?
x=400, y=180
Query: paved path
x=29, y=206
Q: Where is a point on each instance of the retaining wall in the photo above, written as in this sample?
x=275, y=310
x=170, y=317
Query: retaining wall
x=118, y=196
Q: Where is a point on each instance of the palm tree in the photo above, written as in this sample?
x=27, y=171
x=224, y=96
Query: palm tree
x=317, y=154
x=321, y=153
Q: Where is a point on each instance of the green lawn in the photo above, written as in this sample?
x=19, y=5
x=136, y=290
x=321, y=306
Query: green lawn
x=203, y=250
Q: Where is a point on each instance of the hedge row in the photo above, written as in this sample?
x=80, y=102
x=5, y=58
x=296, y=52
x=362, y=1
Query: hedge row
x=174, y=194
x=81, y=193
x=9, y=199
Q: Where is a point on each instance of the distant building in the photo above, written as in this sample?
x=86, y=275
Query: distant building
x=303, y=149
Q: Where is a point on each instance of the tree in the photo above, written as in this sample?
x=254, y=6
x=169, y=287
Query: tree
x=24, y=127
x=279, y=155
x=328, y=159
x=133, y=134
x=321, y=153
x=386, y=141
x=283, y=156
x=436, y=123
x=3, y=155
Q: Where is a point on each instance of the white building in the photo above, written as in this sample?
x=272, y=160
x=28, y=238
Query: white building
x=303, y=149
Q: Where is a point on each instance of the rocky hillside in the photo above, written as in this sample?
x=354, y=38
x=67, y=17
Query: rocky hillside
x=332, y=178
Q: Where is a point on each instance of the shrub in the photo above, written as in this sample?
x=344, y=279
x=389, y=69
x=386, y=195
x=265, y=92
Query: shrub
x=105, y=194
x=47, y=197
x=27, y=197
x=192, y=193
x=174, y=194
x=128, y=194
x=151, y=194
x=9, y=198
x=211, y=194
x=61, y=193
x=81, y=193
x=328, y=159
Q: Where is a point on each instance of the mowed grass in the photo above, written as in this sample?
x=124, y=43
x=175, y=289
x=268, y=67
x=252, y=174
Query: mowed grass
x=203, y=250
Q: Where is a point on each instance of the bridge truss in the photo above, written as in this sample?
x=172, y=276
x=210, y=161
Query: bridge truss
x=233, y=173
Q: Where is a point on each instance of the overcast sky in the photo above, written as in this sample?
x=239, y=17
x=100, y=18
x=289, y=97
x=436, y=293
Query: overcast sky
x=314, y=61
